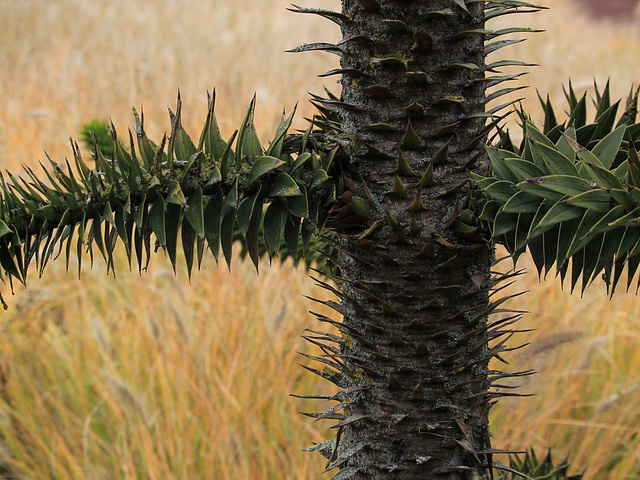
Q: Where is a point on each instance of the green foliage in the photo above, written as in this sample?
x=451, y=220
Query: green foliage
x=96, y=132
x=570, y=191
x=530, y=467
x=187, y=195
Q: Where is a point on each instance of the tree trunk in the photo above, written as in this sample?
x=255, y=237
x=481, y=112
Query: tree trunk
x=414, y=351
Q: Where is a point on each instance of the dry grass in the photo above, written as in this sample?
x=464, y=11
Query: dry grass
x=586, y=352
x=150, y=377
x=572, y=47
x=70, y=61
x=154, y=378
x=586, y=349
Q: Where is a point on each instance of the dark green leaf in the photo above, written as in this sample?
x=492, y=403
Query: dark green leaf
x=140, y=212
x=524, y=169
x=274, y=221
x=319, y=177
x=299, y=205
x=226, y=233
x=173, y=217
x=252, y=235
x=503, y=172
x=264, y=165
x=248, y=144
x=597, y=200
x=227, y=154
x=522, y=202
x=189, y=236
x=214, y=145
x=231, y=198
x=176, y=196
x=564, y=184
x=245, y=211
x=300, y=160
x=157, y=221
x=558, y=163
x=212, y=220
x=292, y=236
x=284, y=186
x=607, y=149
x=558, y=213
x=195, y=211
x=275, y=149
x=6, y=260
x=502, y=190
x=4, y=229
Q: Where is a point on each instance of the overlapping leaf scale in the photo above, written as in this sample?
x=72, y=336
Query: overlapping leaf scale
x=187, y=195
x=570, y=195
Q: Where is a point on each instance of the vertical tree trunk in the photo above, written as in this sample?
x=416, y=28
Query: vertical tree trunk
x=414, y=353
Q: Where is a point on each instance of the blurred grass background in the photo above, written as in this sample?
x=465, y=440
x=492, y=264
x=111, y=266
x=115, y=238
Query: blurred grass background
x=152, y=377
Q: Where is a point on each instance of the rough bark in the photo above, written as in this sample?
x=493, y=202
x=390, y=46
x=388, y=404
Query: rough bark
x=414, y=350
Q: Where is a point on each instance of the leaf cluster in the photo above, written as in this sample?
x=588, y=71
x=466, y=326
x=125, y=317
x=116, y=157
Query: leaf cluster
x=530, y=467
x=188, y=195
x=570, y=192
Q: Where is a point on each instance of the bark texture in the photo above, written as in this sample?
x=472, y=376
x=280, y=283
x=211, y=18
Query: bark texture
x=414, y=352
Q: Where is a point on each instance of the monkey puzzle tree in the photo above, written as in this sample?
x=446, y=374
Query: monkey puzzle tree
x=382, y=176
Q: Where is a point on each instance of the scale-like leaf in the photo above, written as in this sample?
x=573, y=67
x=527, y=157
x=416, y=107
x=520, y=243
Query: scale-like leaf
x=195, y=211
x=4, y=229
x=248, y=144
x=212, y=221
x=596, y=200
x=245, y=212
x=320, y=176
x=581, y=238
x=605, y=123
x=524, y=169
x=557, y=162
x=563, y=184
x=173, y=219
x=232, y=197
x=302, y=158
x=504, y=223
x=264, y=165
x=211, y=140
x=226, y=232
x=227, y=154
x=522, y=202
x=157, y=220
x=499, y=161
x=252, y=235
x=558, y=213
x=274, y=222
x=462, y=5
x=275, y=148
x=188, y=236
x=284, y=186
x=176, y=196
x=502, y=190
x=298, y=206
x=292, y=235
x=607, y=149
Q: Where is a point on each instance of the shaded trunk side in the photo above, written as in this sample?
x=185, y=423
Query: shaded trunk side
x=414, y=350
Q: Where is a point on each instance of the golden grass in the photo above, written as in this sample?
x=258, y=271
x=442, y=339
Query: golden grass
x=572, y=47
x=69, y=61
x=587, y=355
x=154, y=377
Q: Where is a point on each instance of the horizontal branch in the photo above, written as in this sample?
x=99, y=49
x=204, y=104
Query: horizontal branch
x=273, y=198
x=570, y=193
